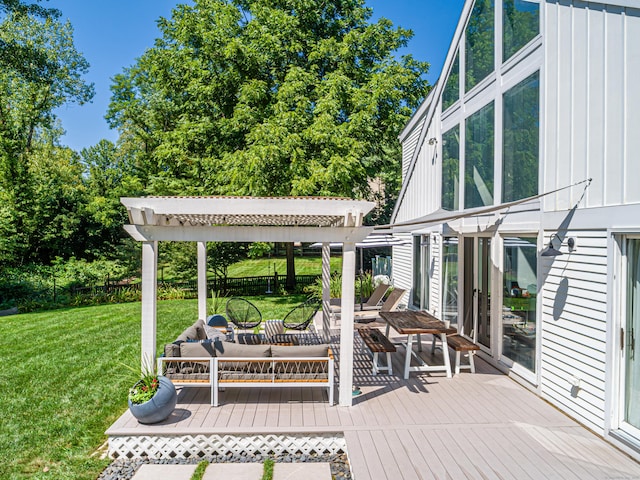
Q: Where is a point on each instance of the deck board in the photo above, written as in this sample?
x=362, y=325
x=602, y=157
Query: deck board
x=481, y=426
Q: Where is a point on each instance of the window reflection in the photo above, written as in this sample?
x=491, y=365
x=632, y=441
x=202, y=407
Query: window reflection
x=478, y=171
x=450, y=280
x=520, y=23
x=519, y=301
x=479, y=58
x=521, y=133
x=451, y=91
x=450, y=168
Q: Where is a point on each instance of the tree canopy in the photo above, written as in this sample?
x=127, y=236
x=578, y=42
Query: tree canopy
x=269, y=97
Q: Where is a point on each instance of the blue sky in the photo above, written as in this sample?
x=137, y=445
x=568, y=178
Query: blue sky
x=111, y=34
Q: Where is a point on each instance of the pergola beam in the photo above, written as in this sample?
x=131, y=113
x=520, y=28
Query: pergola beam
x=143, y=233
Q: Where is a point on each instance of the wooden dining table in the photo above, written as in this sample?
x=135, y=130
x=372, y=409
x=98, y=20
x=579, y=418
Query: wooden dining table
x=412, y=322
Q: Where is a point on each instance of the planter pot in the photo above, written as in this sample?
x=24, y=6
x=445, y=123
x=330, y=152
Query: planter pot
x=159, y=407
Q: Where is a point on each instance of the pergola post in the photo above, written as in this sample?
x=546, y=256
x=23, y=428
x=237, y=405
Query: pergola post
x=149, y=304
x=326, y=293
x=346, y=324
x=202, y=280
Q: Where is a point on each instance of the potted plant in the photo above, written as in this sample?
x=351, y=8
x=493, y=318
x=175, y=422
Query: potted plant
x=152, y=398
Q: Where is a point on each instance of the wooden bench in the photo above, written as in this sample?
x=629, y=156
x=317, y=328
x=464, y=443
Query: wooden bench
x=460, y=344
x=377, y=342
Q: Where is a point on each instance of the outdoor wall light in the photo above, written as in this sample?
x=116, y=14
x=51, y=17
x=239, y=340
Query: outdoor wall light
x=553, y=249
x=432, y=141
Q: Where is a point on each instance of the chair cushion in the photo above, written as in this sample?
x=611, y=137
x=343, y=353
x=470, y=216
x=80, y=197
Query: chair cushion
x=228, y=349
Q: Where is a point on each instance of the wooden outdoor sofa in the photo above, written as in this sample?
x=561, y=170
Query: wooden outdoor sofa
x=196, y=362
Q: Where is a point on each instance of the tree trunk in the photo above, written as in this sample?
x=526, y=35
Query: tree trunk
x=291, y=268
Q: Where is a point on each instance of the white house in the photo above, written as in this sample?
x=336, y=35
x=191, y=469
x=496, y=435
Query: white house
x=530, y=140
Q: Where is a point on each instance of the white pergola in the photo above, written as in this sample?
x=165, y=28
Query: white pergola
x=249, y=219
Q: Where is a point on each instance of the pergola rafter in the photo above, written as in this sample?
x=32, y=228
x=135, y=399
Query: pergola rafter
x=247, y=219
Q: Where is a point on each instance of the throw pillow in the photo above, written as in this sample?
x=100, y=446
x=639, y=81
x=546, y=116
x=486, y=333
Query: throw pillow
x=214, y=333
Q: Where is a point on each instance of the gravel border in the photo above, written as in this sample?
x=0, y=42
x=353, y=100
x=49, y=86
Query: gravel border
x=124, y=469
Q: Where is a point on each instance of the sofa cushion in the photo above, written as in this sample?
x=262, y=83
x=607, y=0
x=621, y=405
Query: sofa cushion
x=229, y=349
x=214, y=333
x=193, y=332
x=198, y=349
x=301, y=370
x=172, y=350
x=300, y=351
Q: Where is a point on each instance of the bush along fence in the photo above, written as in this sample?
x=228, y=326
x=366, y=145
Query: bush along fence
x=28, y=298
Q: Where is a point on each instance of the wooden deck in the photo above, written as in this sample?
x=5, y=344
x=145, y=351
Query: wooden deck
x=473, y=426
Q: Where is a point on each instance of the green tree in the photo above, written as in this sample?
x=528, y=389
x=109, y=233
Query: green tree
x=269, y=98
x=44, y=73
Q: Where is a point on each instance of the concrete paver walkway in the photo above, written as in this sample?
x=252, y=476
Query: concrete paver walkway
x=236, y=471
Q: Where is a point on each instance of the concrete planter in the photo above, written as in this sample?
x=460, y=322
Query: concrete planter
x=159, y=407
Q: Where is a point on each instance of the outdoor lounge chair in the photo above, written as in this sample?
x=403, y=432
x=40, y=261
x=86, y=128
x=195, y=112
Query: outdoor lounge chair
x=390, y=304
x=243, y=314
x=371, y=304
x=301, y=316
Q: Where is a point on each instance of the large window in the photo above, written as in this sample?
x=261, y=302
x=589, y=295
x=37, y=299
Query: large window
x=451, y=91
x=478, y=170
x=519, y=300
x=451, y=169
x=521, y=133
x=520, y=24
x=479, y=58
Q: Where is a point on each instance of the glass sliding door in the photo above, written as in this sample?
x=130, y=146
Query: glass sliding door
x=450, y=280
x=631, y=336
x=477, y=290
x=421, y=272
x=519, y=281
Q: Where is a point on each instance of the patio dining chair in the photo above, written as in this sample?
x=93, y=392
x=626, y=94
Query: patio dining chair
x=243, y=314
x=301, y=316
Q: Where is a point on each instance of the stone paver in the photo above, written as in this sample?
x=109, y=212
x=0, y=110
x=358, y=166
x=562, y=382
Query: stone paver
x=164, y=472
x=233, y=471
x=297, y=471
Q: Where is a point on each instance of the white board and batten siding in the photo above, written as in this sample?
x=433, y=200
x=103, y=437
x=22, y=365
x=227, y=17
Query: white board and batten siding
x=574, y=328
x=591, y=102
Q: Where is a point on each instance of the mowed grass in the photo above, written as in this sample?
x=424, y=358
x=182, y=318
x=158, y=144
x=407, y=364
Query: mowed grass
x=63, y=382
x=267, y=266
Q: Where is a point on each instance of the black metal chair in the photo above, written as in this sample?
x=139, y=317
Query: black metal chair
x=300, y=317
x=243, y=314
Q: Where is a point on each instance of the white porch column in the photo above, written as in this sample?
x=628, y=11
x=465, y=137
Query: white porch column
x=326, y=294
x=149, y=302
x=346, y=324
x=202, y=280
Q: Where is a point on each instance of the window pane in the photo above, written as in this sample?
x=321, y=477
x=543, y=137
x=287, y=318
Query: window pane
x=450, y=280
x=478, y=170
x=450, y=168
x=520, y=22
x=479, y=58
x=451, y=91
x=632, y=338
x=520, y=281
x=520, y=141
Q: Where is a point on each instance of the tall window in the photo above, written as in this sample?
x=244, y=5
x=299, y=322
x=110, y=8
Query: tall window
x=421, y=259
x=451, y=168
x=519, y=300
x=520, y=23
x=521, y=133
x=479, y=58
x=451, y=91
x=478, y=170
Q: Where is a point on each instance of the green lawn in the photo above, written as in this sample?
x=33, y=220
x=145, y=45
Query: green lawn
x=266, y=266
x=63, y=383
